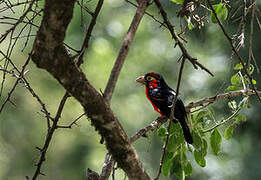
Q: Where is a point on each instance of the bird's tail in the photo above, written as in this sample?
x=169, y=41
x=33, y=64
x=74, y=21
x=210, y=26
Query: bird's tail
x=180, y=114
x=186, y=131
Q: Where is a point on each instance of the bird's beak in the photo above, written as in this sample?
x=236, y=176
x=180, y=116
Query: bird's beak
x=141, y=80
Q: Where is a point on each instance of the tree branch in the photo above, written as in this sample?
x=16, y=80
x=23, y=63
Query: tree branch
x=115, y=72
x=178, y=42
x=50, y=54
x=234, y=49
x=89, y=31
x=220, y=96
x=108, y=164
x=159, y=121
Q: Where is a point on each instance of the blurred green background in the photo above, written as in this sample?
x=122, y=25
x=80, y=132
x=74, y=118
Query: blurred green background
x=72, y=151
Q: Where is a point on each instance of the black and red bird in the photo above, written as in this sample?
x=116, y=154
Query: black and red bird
x=161, y=97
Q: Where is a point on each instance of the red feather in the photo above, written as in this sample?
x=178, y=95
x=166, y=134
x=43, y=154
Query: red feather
x=155, y=108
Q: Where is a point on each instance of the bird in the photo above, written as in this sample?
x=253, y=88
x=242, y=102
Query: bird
x=161, y=97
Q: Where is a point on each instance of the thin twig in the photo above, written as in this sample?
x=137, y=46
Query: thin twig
x=184, y=51
x=89, y=31
x=171, y=118
x=223, y=121
x=49, y=137
x=72, y=123
x=234, y=49
x=3, y=36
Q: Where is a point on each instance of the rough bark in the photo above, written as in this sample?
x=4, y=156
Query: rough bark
x=50, y=54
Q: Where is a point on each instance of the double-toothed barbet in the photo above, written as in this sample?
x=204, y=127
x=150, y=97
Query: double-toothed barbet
x=161, y=97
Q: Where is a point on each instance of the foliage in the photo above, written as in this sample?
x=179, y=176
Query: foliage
x=176, y=161
x=72, y=151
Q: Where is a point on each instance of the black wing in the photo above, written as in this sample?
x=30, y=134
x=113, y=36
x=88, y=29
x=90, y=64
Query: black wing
x=163, y=100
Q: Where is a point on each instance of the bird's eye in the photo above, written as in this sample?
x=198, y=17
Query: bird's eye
x=149, y=78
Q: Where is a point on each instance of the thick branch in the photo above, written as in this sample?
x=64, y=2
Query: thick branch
x=50, y=54
x=108, y=164
x=115, y=72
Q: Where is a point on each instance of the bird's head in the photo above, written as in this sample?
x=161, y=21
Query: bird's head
x=150, y=78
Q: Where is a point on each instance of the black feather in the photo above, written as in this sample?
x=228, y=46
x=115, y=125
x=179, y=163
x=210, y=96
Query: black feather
x=162, y=97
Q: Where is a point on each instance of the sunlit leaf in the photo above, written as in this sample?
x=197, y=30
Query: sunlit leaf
x=229, y=132
x=236, y=80
x=232, y=88
x=199, y=158
x=253, y=81
x=251, y=69
x=178, y=1
x=232, y=105
x=238, y=66
x=215, y=141
x=190, y=24
x=221, y=12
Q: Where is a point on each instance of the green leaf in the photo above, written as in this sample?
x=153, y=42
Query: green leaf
x=221, y=12
x=175, y=128
x=165, y=168
x=229, y=132
x=211, y=112
x=201, y=115
x=176, y=167
x=169, y=155
x=204, y=147
x=253, y=81
x=162, y=132
x=232, y=105
x=196, y=140
x=251, y=69
x=232, y=88
x=190, y=24
x=198, y=156
x=174, y=142
x=178, y=1
x=238, y=66
x=236, y=80
x=188, y=169
x=215, y=141
x=240, y=118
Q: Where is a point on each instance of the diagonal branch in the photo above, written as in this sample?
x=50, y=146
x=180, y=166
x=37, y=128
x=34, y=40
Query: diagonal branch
x=3, y=36
x=108, y=163
x=171, y=117
x=89, y=31
x=115, y=72
x=50, y=54
x=234, y=49
x=159, y=121
x=184, y=51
